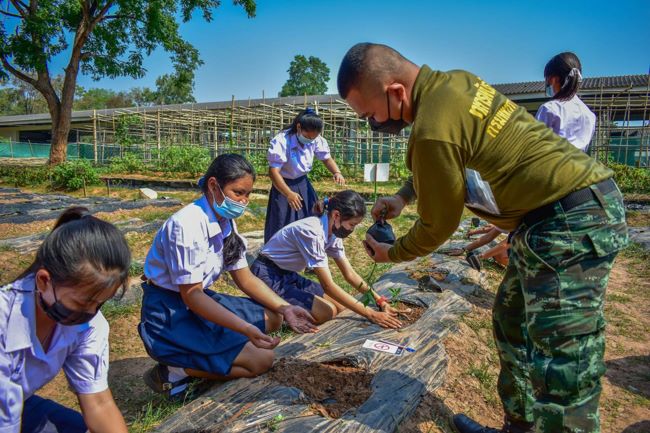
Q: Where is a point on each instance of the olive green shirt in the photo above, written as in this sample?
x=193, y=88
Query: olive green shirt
x=460, y=121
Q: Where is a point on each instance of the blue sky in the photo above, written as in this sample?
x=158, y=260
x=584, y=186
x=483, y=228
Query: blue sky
x=502, y=41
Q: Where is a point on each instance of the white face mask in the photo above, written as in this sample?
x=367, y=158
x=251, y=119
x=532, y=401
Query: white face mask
x=549, y=91
x=304, y=140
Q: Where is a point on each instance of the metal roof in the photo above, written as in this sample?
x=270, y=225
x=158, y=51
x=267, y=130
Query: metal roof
x=594, y=83
x=516, y=91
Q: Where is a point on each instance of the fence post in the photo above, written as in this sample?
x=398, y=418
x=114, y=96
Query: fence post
x=95, y=156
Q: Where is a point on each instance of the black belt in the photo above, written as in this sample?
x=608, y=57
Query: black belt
x=568, y=202
x=263, y=259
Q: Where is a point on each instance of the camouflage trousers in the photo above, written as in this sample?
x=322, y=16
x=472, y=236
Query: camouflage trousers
x=548, y=315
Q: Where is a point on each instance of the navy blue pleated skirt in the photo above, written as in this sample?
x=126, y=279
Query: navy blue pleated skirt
x=289, y=285
x=174, y=335
x=278, y=211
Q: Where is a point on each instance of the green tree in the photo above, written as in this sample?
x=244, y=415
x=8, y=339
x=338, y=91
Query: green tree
x=103, y=38
x=175, y=88
x=97, y=98
x=306, y=76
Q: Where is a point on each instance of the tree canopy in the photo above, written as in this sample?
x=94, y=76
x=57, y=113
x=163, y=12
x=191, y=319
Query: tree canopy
x=306, y=76
x=99, y=39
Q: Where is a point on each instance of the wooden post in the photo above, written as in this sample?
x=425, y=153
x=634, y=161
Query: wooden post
x=232, y=119
x=158, y=131
x=95, y=136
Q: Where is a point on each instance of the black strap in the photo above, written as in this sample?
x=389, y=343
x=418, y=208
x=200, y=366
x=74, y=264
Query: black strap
x=568, y=202
x=263, y=259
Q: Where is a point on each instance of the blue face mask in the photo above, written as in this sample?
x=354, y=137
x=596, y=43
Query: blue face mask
x=304, y=140
x=229, y=208
x=549, y=91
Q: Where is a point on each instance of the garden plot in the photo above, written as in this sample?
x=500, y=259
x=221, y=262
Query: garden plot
x=319, y=381
x=20, y=208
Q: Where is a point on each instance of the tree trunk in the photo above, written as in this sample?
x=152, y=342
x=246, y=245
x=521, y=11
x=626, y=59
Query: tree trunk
x=60, y=131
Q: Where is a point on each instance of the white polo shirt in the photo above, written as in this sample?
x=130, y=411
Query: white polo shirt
x=81, y=350
x=303, y=244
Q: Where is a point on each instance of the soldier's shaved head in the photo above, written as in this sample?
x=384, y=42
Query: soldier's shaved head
x=367, y=66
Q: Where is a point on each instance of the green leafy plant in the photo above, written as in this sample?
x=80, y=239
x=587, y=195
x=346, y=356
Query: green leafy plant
x=130, y=163
x=274, y=423
x=398, y=169
x=631, y=179
x=319, y=171
x=368, y=299
x=259, y=162
x=394, y=295
x=184, y=159
x=73, y=175
x=25, y=176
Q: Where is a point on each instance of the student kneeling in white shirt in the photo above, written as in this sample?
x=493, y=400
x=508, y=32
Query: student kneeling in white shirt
x=308, y=243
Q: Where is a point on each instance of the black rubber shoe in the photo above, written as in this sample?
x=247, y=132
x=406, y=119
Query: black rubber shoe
x=463, y=424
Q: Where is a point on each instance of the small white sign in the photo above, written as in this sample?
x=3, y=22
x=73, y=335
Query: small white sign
x=381, y=170
x=381, y=346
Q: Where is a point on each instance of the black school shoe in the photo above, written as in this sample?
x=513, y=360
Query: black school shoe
x=157, y=378
x=463, y=424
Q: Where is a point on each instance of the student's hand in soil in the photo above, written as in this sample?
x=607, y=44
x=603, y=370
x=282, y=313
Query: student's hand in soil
x=377, y=251
x=386, y=208
x=339, y=179
x=260, y=339
x=384, y=319
x=386, y=308
x=295, y=200
x=298, y=319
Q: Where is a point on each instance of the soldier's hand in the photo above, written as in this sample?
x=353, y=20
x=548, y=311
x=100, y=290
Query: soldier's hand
x=388, y=207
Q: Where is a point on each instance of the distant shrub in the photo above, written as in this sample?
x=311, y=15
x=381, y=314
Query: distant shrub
x=184, y=159
x=71, y=175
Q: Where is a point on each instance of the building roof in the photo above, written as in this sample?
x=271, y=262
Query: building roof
x=516, y=91
x=594, y=83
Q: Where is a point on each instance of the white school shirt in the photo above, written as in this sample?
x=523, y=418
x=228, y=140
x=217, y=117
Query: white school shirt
x=570, y=119
x=292, y=158
x=188, y=248
x=81, y=350
x=303, y=244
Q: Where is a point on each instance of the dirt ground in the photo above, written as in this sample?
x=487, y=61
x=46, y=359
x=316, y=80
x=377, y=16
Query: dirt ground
x=348, y=386
x=470, y=386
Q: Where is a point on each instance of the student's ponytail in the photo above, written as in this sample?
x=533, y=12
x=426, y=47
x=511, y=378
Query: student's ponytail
x=567, y=68
x=309, y=121
x=349, y=204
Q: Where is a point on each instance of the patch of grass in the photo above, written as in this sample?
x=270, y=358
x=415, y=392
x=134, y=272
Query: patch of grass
x=486, y=379
x=620, y=298
x=112, y=310
x=136, y=269
x=153, y=414
x=284, y=332
x=637, y=253
x=477, y=323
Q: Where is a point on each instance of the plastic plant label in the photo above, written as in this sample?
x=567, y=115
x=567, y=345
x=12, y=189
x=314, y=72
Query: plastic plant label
x=381, y=346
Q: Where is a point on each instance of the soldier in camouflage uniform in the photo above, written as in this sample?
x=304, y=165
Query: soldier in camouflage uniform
x=563, y=209
x=548, y=315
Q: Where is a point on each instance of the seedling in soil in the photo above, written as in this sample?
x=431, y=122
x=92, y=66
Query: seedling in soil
x=368, y=299
x=274, y=423
x=394, y=295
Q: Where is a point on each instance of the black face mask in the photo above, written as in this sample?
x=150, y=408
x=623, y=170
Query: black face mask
x=63, y=315
x=341, y=232
x=390, y=126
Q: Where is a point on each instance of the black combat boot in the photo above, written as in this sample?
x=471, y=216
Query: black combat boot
x=464, y=424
